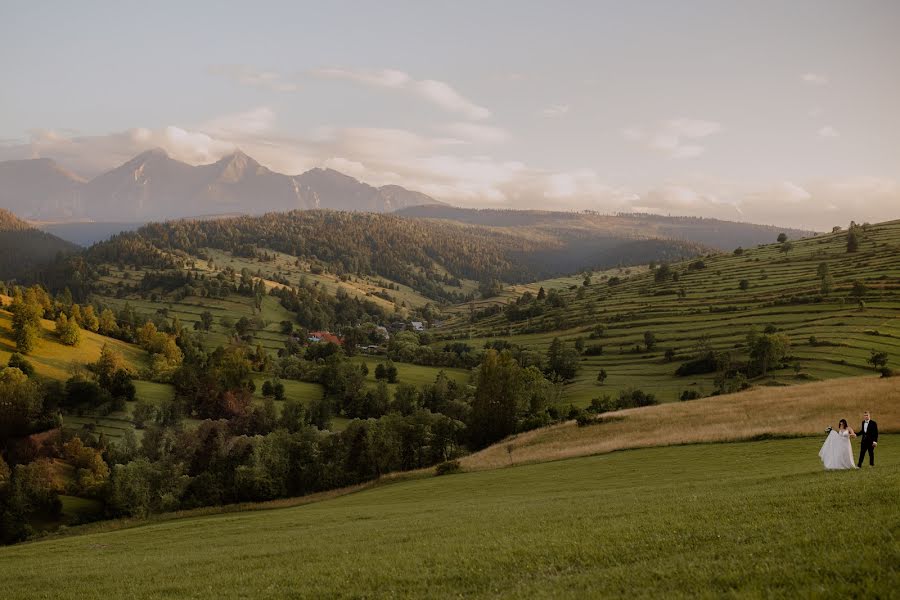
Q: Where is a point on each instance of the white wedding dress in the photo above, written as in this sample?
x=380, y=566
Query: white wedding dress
x=836, y=452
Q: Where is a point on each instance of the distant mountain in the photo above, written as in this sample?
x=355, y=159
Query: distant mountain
x=24, y=250
x=39, y=188
x=587, y=227
x=154, y=186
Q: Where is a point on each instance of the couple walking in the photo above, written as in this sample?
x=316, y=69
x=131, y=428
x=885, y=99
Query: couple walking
x=837, y=453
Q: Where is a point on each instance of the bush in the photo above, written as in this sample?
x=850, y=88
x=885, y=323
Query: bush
x=585, y=418
x=17, y=361
x=689, y=395
x=448, y=467
x=603, y=404
x=887, y=372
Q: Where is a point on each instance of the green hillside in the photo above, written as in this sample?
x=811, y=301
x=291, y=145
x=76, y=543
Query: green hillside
x=713, y=303
x=754, y=519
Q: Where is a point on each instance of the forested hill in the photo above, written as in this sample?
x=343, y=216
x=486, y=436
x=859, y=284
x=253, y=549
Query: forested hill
x=430, y=256
x=723, y=235
x=24, y=249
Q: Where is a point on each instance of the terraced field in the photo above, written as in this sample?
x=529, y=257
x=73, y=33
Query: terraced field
x=782, y=290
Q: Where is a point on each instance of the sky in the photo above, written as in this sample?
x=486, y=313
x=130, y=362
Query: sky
x=774, y=112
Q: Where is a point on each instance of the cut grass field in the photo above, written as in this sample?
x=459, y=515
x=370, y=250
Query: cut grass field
x=757, y=519
x=782, y=290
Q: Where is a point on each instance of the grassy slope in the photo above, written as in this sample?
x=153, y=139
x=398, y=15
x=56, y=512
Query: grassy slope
x=757, y=518
x=762, y=412
x=631, y=309
x=54, y=360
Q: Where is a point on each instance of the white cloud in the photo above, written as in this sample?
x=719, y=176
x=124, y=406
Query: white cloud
x=814, y=78
x=557, y=110
x=444, y=168
x=252, y=77
x=438, y=93
x=673, y=137
x=828, y=132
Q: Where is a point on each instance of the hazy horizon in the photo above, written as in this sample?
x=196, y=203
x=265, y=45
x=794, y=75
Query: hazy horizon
x=772, y=113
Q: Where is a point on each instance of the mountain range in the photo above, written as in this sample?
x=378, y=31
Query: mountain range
x=154, y=186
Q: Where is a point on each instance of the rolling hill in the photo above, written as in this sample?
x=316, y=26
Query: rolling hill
x=670, y=516
x=154, y=186
x=24, y=249
x=587, y=227
x=710, y=303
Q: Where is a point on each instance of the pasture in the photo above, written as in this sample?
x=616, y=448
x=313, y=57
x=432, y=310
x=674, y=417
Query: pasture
x=832, y=334
x=756, y=519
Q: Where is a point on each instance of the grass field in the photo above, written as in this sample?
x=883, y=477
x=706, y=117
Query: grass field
x=756, y=519
x=782, y=290
x=54, y=360
x=759, y=413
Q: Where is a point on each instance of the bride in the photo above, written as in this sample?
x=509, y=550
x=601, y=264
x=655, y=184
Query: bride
x=836, y=452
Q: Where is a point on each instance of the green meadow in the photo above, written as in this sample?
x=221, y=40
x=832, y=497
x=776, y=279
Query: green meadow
x=757, y=519
x=831, y=334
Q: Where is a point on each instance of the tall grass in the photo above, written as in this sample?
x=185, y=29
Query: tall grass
x=768, y=411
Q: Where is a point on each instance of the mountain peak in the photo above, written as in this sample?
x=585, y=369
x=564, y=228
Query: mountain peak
x=156, y=152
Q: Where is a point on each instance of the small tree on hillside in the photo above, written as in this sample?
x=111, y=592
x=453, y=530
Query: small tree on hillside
x=782, y=238
x=878, y=360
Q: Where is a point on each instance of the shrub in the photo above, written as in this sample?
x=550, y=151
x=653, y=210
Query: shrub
x=17, y=361
x=448, y=467
x=689, y=395
x=585, y=418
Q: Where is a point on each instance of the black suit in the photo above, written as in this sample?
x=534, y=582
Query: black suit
x=867, y=439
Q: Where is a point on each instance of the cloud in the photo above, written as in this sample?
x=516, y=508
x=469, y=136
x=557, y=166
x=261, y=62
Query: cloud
x=557, y=110
x=476, y=132
x=252, y=77
x=252, y=122
x=438, y=93
x=828, y=132
x=814, y=78
x=444, y=166
x=388, y=78
x=673, y=137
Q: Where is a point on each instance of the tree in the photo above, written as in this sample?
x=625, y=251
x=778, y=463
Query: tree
x=663, y=273
x=650, y=340
x=498, y=392
x=859, y=289
x=89, y=319
x=852, y=239
x=787, y=247
x=17, y=361
x=107, y=325
x=878, y=359
x=380, y=372
x=562, y=362
x=267, y=389
x=782, y=238
x=744, y=284
x=291, y=416
x=670, y=354
x=26, y=322
x=67, y=330
x=601, y=376
x=767, y=349
x=206, y=320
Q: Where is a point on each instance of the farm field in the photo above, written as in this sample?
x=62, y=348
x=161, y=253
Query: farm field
x=832, y=335
x=417, y=375
x=711, y=520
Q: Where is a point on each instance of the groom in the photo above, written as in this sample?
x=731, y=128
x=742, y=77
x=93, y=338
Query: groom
x=868, y=431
